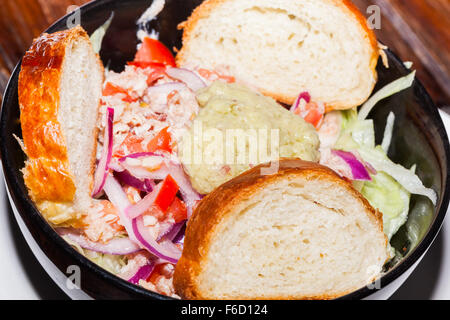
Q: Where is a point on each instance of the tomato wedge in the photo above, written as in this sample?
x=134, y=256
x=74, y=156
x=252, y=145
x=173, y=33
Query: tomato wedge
x=167, y=193
x=152, y=50
x=162, y=141
x=311, y=114
x=177, y=210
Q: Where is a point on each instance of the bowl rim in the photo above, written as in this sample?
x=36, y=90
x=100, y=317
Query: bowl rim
x=34, y=215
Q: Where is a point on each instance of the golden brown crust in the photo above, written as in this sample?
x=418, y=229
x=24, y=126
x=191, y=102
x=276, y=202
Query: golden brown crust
x=207, y=6
x=216, y=205
x=46, y=173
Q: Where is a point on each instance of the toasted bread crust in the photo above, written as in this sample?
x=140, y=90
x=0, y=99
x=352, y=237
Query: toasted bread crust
x=46, y=172
x=215, y=207
x=207, y=6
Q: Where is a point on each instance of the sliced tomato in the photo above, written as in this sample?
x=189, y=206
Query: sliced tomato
x=167, y=193
x=177, y=210
x=131, y=144
x=311, y=114
x=314, y=117
x=152, y=50
x=162, y=141
x=111, y=89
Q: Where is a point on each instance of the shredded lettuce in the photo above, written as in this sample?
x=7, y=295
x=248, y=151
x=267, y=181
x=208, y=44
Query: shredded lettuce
x=390, y=198
x=355, y=133
x=420, y=218
x=389, y=90
x=112, y=263
x=408, y=179
x=97, y=36
x=391, y=188
x=387, y=137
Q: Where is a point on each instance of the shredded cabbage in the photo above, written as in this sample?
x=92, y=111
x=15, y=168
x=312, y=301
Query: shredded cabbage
x=420, y=218
x=391, y=188
x=408, y=179
x=389, y=90
x=390, y=198
x=355, y=133
x=97, y=36
x=387, y=137
x=112, y=263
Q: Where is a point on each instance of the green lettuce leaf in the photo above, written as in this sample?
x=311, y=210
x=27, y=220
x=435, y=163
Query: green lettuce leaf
x=390, y=198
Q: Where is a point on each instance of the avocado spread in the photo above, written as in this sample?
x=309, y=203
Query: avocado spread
x=238, y=128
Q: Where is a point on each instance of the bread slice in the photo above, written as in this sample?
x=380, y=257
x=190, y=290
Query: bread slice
x=284, y=47
x=60, y=87
x=302, y=233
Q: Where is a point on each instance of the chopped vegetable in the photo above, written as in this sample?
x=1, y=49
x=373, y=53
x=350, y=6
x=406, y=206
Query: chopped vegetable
x=161, y=142
x=164, y=250
x=152, y=50
x=188, y=77
x=387, y=91
x=103, y=165
x=177, y=210
x=167, y=193
x=408, y=179
x=390, y=198
x=117, y=246
x=359, y=171
x=97, y=36
x=387, y=137
x=144, y=205
x=143, y=273
x=126, y=178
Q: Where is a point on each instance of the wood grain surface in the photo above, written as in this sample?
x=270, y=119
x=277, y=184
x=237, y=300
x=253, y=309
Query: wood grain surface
x=417, y=30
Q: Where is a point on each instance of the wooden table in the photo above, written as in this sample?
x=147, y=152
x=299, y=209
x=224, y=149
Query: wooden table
x=417, y=30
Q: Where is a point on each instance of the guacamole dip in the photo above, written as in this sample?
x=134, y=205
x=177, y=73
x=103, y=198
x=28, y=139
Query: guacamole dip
x=236, y=129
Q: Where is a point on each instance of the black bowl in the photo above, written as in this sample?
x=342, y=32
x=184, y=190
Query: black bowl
x=419, y=137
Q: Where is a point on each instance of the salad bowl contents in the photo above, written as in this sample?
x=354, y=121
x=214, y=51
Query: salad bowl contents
x=112, y=149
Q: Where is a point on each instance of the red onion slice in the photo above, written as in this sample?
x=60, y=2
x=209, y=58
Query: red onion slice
x=302, y=96
x=103, y=165
x=188, y=77
x=126, y=178
x=179, y=238
x=115, y=165
x=143, y=205
x=143, y=273
x=117, y=246
x=165, y=250
x=172, y=233
x=189, y=195
x=139, y=155
x=359, y=171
